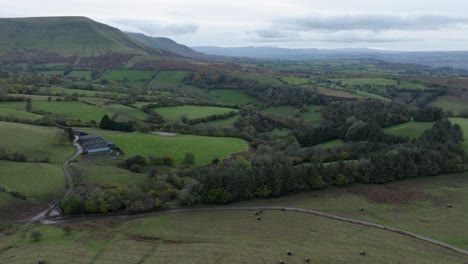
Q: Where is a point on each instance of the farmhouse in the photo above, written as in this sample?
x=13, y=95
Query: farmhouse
x=93, y=144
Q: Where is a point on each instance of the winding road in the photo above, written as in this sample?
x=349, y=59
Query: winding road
x=43, y=216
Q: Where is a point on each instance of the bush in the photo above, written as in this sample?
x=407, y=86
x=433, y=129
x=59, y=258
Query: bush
x=135, y=168
x=35, y=235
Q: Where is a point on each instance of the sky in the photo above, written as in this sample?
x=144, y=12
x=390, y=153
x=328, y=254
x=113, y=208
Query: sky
x=414, y=25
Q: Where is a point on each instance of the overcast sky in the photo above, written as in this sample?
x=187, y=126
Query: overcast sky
x=391, y=25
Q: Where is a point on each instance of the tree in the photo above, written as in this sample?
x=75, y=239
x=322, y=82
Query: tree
x=61, y=137
x=189, y=159
x=35, y=236
x=3, y=152
x=67, y=230
x=28, y=104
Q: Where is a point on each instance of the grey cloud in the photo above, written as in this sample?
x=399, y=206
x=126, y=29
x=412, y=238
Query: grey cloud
x=369, y=21
x=156, y=28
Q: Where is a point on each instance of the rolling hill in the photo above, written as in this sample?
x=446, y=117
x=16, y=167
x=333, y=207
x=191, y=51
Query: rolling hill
x=65, y=37
x=168, y=45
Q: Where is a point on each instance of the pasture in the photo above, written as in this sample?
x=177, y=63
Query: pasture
x=221, y=237
x=36, y=142
x=128, y=75
x=329, y=145
x=409, y=129
x=231, y=97
x=463, y=123
x=451, y=103
x=191, y=112
x=204, y=148
x=294, y=80
x=21, y=114
x=40, y=182
x=365, y=81
x=169, y=77
x=221, y=123
x=418, y=205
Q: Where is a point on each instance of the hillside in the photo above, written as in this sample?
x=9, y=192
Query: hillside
x=167, y=44
x=65, y=37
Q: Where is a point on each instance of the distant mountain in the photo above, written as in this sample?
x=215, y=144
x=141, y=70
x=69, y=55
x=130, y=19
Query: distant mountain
x=167, y=44
x=65, y=37
x=454, y=59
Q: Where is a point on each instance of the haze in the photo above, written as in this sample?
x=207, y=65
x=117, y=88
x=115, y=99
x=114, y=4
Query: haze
x=391, y=25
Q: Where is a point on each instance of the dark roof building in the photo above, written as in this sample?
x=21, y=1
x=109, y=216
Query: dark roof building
x=93, y=144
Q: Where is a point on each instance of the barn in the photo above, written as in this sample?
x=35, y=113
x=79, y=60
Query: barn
x=93, y=144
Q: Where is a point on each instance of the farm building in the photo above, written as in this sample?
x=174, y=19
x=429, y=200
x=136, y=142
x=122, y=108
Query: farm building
x=93, y=144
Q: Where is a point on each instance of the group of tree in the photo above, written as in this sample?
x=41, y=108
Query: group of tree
x=109, y=124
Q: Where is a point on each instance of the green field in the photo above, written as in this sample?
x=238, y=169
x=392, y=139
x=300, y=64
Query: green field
x=40, y=182
x=22, y=114
x=221, y=237
x=463, y=123
x=313, y=115
x=231, y=96
x=411, y=85
x=61, y=90
x=409, y=129
x=205, y=149
x=128, y=75
x=418, y=205
x=285, y=110
x=222, y=123
x=366, y=81
x=34, y=141
x=451, y=103
x=75, y=110
x=169, y=77
x=294, y=80
x=329, y=145
x=190, y=111
x=80, y=75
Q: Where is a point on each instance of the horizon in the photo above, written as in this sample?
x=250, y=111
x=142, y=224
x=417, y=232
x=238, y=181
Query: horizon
x=298, y=24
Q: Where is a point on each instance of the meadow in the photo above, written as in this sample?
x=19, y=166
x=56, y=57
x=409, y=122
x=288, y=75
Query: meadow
x=231, y=97
x=366, y=81
x=40, y=182
x=220, y=237
x=409, y=129
x=329, y=145
x=190, y=111
x=451, y=103
x=169, y=77
x=204, y=148
x=463, y=123
x=128, y=75
x=34, y=141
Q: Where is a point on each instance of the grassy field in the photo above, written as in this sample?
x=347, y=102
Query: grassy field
x=22, y=114
x=34, y=141
x=169, y=77
x=418, y=205
x=285, y=110
x=463, y=123
x=80, y=75
x=451, y=103
x=129, y=75
x=329, y=145
x=205, y=149
x=410, y=129
x=231, y=96
x=411, y=85
x=313, y=115
x=38, y=181
x=221, y=123
x=294, y=80
x=221, y=237
x=192, y=112
x=365, y=81
x=62, y=90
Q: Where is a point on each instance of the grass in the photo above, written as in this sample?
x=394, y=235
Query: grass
x=294, y=80
x=329, y=145
x=129, y=75
x=80, y=75
x=38, y=181
x=204, y=148
x=451, y=103
x=22, y=114
x=192, y=112
x=222, y=237
x=222, y=123
x=409, y=129
x=60, y=90
x=169, y=77
x=418, y=205
x=285, y=110
x=313, y=115
x=411, y=85
x=231, y=96
x=34, y=141
x=366, y=81
x=463, y=123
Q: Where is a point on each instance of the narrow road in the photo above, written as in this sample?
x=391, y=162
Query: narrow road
x=41, y=216
x=72, y=219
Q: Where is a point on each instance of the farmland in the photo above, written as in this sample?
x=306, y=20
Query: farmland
x=169, y=77
x=451, y=103
x=410, y=129
x=231, y=96
x=233, y=236
x=191, y=112
x=128, y=75
x=366, y=81
x=463, y=123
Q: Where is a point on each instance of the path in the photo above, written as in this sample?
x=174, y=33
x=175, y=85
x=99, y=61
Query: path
x=41, y=216
x=256, y=208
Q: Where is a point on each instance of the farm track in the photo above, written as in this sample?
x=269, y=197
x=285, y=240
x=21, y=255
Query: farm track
x=126, y=217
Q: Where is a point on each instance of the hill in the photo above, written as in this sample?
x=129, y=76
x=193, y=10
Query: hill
x=57, y=38
x=168, y=45
x=454, y=59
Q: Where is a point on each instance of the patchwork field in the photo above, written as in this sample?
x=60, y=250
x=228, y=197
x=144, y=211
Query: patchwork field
x=231, y=96
x=22, y=114
x=40, y=182
x=169, y=77
x=221, y=237
x=451, y=103
x=205, y=149
x=128, y=75
x=33, y=141
x=409, y=129
x=191, y=112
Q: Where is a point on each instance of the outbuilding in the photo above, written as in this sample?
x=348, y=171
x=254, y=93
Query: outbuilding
x=93, y=144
